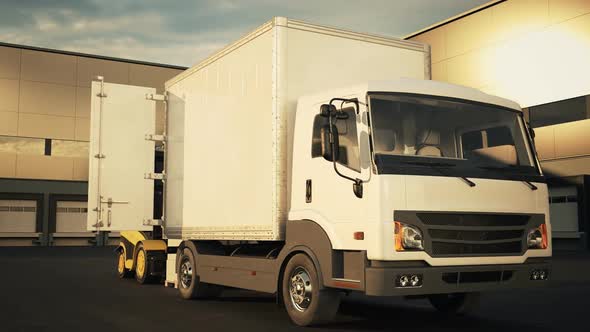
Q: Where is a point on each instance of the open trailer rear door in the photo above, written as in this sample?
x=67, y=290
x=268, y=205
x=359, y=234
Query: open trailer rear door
x=119, y=195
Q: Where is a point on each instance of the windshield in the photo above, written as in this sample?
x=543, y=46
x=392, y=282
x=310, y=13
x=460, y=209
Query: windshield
x=480, y=140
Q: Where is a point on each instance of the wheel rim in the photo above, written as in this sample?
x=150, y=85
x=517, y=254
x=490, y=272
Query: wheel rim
x=121, y=263
x=140, y=269
x=186, y=273
x=300, y=289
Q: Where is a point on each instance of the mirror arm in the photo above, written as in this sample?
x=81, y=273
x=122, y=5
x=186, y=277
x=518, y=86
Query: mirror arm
x=334, y=147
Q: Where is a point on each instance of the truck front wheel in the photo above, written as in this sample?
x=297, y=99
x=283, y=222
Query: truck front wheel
x=305, y=302
x=456, y=303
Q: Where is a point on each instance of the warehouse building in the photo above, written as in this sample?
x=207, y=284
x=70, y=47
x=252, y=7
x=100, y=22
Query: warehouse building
x=44, y=133
x=532, y=51
x=536, y=52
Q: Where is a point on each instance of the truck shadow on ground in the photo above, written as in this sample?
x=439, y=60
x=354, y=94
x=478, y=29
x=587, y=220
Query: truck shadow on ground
x=359, y=314
x=380, y=317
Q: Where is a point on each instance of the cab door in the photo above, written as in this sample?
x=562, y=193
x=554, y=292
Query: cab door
x=119, y=195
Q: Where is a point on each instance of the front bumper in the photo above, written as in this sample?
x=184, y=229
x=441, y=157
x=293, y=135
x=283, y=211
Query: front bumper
x=381, y=281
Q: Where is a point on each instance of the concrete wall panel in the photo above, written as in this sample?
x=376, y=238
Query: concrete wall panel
x=45, y=98
x=8, y=165
x=44, y=167
x=82, y=102
x=82, y=129
x=545, y=142
x=439, y=71
x=113, y=72
x=10, y=62
x=567, y=167
x=8, y=123
x=48, y=67
x=46, y=126
x=572, y=139
x=150, y=76
x=9, y=90
x=80, y=169
x=467, y=33
x=513, y=18
x=437, y=40
x=561, y=10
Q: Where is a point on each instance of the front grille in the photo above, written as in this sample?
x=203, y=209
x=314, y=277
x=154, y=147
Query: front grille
x=465, y=249
x=473, y=234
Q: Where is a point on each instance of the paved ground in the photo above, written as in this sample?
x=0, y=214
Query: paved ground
x=75, y=289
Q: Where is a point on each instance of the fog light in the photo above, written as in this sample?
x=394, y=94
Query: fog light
x=408, y=280
x=404, y=281
x=542, y=275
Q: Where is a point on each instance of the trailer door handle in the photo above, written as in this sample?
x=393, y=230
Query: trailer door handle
x=110, y=202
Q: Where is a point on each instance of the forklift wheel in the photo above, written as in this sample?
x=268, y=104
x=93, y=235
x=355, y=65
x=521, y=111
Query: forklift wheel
x=142, y=266
x=122, y=272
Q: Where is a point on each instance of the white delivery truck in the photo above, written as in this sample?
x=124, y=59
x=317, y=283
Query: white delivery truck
x=308, y=162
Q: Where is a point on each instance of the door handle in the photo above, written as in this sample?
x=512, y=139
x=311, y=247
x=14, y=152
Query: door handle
x=109, y=202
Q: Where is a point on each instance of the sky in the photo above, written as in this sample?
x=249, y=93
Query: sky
x=183, y=32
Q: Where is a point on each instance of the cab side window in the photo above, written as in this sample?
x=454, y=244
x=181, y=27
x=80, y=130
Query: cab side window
x=349, y=155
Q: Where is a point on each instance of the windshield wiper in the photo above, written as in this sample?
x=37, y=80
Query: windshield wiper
x=436, y=166
x=508, y=167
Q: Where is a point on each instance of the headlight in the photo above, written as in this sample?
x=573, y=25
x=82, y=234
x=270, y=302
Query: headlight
x=407, y=237
x=537, y=237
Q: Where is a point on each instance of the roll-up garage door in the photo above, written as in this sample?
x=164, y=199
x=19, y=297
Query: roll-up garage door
x=18, y=216
x=70, y=217
x=564, y=212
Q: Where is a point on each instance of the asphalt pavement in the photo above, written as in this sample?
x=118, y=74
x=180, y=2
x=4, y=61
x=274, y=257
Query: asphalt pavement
x=76, y=289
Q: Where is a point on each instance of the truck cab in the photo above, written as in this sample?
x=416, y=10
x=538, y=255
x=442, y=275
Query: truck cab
x=442, y=177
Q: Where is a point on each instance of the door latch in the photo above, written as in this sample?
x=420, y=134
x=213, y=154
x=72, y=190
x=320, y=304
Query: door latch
x=109, y=202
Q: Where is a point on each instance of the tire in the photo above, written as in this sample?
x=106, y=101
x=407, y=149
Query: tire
x=456, y=303
x=306, y=304
x=189, y=285
x=122, y=271
x=142, y=266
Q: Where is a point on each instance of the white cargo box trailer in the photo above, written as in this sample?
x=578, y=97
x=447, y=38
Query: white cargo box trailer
x=231, y=117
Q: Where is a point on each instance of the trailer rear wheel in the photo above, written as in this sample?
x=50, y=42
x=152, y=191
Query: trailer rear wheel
x=189, y=285
x=305, y=302
x=456, y=303
x=122, y=271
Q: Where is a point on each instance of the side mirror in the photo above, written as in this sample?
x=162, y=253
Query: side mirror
x=327, y=140
x=357, y=188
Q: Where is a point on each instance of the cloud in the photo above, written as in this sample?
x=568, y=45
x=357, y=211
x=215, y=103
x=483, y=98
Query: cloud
x=184, y=31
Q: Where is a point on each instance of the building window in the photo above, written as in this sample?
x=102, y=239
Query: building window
x=22, y=145
x=562, y=111
x=64, y=148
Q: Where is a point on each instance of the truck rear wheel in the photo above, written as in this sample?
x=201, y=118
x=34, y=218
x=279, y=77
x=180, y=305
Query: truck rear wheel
x=189, y=285
x=305, y=302
x=456, y=303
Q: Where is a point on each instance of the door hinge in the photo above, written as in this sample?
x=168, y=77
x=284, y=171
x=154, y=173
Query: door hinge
x=155, y=97
x=99, y=156
x=153, y=222
x=154, y=176
x=101, y=95
x=155, y=138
